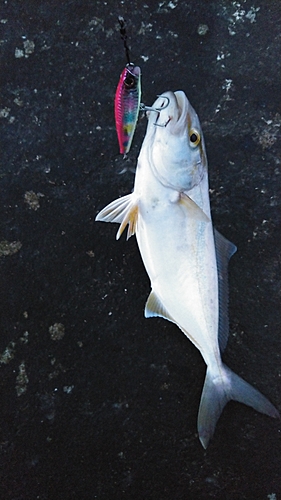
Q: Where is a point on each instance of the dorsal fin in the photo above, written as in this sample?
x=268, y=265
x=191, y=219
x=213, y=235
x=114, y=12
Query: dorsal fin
x=224, y=250
x=194, y=210
x=123, y=210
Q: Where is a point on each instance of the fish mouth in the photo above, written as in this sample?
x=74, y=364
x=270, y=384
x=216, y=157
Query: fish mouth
x=173, y=115
x=170, y=111
x=183, y=113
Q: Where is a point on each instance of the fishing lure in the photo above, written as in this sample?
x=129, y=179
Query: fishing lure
x=127, y=106
x=127, y=103
x=127, y=98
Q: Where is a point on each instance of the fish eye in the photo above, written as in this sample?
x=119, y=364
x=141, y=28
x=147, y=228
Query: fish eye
x=194, y=137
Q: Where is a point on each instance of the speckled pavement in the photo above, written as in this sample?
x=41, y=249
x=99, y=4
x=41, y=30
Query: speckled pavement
x=96, y=401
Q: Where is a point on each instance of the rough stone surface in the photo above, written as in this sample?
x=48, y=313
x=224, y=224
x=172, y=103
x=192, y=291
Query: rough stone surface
x=109, y=410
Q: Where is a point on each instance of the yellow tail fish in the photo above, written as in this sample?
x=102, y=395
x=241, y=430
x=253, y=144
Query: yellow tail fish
x=185, y=258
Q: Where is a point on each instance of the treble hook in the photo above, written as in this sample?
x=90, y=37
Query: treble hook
x=150, y=108
x=162, y=124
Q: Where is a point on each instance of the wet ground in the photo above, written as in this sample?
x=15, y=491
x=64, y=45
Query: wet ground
x=96, y=401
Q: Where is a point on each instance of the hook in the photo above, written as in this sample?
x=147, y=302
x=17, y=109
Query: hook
x=166, y=105
x=162, y=124
x=150, y=108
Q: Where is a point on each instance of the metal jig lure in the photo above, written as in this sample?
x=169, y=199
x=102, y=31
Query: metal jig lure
x=127, y=98
x=127, y=103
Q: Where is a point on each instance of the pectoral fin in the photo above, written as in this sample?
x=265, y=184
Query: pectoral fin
x=124, y=211
x=194, y=210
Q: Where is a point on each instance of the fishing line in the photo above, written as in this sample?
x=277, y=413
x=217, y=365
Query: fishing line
x=124, y=37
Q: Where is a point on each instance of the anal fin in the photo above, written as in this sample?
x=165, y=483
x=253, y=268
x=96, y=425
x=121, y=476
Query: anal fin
x=154, y=307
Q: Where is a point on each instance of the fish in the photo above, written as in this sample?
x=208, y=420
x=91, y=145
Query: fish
x=127, y=105
x=185, y=258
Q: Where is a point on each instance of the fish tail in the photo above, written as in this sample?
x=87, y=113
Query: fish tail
x=217, y=391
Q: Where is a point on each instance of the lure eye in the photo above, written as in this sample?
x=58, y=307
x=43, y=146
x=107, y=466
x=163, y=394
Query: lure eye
x=130, y=81
x=194, y=137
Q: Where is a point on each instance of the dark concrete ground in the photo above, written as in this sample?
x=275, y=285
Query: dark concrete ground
x=96, y=401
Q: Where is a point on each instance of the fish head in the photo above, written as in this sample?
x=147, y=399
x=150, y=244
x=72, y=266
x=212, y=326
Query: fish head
x=174, y=142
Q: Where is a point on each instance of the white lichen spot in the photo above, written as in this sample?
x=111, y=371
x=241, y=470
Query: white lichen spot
x=9, y=248
x=144, y=28
x=272, y=496
x=218, y=108
x=57, y=331
x=221, y=56
x=231, y=31
x=21, y=380
x=239, y=15
x=165, y=6
x=29, y=47
x=68, y=389
x=227, y=85
x=8, y=354
x=24, y=338
x=145, y=58
x=4, y=112
x=268, y=122
x=173, y=34
x=109, y=33
x=251, y=14
x=96, y=23
x=45, y=47
x=19, y=53
x=202, y=29
x=267, y=135
x=32, y=199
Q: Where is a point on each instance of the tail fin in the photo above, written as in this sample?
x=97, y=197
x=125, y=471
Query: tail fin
x=218, y=391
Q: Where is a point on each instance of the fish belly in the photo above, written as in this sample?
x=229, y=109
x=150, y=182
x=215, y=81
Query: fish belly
x=179, y=255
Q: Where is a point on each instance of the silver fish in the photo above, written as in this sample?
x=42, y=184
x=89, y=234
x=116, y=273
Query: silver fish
x=185, y=258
